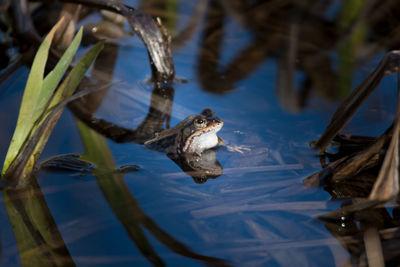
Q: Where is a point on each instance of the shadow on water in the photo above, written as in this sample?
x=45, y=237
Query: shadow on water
x=256, y=212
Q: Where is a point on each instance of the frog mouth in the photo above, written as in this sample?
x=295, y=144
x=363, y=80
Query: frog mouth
x=216, y=128
x=216, y=125
x=208, y=134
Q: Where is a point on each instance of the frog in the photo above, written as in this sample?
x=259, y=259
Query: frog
x=189, y=144
x=194, y=134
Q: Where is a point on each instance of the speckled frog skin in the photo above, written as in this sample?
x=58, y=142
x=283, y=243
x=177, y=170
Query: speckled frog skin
x=194, y=134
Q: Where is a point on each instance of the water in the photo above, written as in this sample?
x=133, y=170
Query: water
x=257, y=213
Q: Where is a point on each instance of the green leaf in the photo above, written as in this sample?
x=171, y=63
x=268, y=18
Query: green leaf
x=64, y=91
x=40, y=99
x=71, y=82
x=27, y=117
x=52, y=80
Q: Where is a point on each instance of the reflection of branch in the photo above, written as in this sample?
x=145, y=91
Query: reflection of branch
x=125, y=206
x=102, y=71
x=268, y=22
x=240, y=67
x=175, y=245
x=182, y=37
x=23, y=21
x=285, y=90
x=159, y=113
x=354, y=234
x=127, y=211
x=348, y=108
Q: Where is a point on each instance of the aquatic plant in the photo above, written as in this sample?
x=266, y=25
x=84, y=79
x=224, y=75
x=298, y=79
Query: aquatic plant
x=42, y=104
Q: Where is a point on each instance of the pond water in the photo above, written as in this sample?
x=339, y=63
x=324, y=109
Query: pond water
x=257, y=212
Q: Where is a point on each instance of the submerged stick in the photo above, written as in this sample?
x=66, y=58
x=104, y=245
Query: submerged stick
x=389, y=64
x=373, y=248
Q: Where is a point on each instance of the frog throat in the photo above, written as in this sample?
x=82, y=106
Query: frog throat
x=212, y=129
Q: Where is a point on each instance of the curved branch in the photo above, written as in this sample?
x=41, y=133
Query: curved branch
x=153, y=34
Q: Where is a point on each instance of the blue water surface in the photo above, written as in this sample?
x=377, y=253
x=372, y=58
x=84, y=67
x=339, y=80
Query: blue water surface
x=258, y=213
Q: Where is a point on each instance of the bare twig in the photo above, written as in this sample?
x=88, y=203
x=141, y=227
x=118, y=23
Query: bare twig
x=387, y=183
x=389, y=64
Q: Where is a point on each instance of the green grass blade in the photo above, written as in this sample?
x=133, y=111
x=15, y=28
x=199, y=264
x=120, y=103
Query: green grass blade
x=26, y=116
x=39, y=98
x=52, y=80
x=16, y=173
x=71, y=82
x=65, y=90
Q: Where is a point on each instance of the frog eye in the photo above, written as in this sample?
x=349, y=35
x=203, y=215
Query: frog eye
x=200, y=123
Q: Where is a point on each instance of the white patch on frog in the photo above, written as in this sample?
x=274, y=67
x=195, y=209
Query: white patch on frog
x=204, y=141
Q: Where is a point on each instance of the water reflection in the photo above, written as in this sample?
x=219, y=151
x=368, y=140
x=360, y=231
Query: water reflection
x=370, y=236
x=38, y=238
x=257, y=213
x=299, y=35
x=125, y=206
x=36, y=233
x=117, y=194
x=200, y=167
